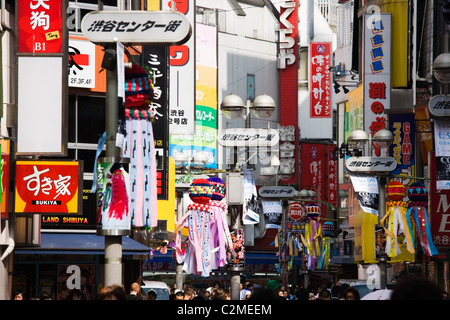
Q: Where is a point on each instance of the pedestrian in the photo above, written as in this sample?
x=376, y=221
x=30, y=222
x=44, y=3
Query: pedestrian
x=135, y=292
x=342, y=289
x=18, y=295
x=218, y=294
x=189, y=293
x=324, y=295
x=414, y=288
x=301, y=294
x=113, y=292
x=351, y=294
x=178, y=295
x=335, y=292
x=152, y=295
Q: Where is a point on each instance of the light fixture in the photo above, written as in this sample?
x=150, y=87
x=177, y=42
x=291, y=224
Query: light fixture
x=345, y=89
x=285, y=173
x=303, y=193
x=357, y=139
x=383, y=138
x=441, y=67
x=200, y=159
x=263, y=106
x=180, y=159
x=232, y=106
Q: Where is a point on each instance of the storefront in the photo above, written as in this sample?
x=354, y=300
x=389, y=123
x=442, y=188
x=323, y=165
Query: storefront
x=70, y=266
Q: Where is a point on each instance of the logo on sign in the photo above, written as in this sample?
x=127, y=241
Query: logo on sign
x=296, y=211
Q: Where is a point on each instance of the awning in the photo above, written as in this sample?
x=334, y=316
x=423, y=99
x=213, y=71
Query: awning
x=73, y=243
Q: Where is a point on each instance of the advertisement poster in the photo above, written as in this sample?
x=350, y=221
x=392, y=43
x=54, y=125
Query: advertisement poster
x=366, y=189
x=113, y=201
x=273, y=213
x=442, y=154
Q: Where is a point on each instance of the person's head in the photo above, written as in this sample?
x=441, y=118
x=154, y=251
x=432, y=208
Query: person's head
x=414, y=288
x=351, y=294
x=342, y=289
x=189, y=293
x=151, y=295
x=324, y=295
x=302, y=294
x=18, y=295
x=179, y=295
x=113, y=292
x=218, y=294
x=135, y=288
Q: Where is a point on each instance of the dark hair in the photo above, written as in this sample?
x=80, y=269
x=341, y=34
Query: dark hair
x=302, y=294
x=113, y=292
x=324, y=294
x=353, y=291
x=414, y=288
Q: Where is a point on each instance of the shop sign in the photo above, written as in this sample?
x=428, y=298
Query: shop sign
x=40, y=26
x=48, y=187
x=320, y=80
x=248, y=137
x=370, y=164
x=296, y=211
x=277, y=192
x=288, y=32
x=439, y=106
x=377, y=73
x=136, y=27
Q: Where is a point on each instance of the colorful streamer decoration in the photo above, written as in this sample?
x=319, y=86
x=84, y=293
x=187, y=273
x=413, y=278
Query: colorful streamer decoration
x=396, y=217
x=196, y=259
x=313, y=236
x=219, y=231
x=139, y=146
x=417, y=212
x=327, y=239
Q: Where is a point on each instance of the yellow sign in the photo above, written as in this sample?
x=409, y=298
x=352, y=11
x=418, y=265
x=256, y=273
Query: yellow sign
x=52, y=35
x=365, y=237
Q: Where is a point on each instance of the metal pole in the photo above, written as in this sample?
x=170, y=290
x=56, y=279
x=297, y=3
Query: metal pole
x=235, y=285
x=382, y=262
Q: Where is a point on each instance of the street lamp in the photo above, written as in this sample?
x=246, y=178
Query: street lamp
x=382, y=139
x=181, y=159
x=232, y=106
x=441, y=67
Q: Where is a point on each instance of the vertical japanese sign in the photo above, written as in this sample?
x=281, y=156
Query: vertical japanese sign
x=182, y=75
x=402, y=149
x=48, y=186
x=42, y=85
x=40, y=26
x=332, y=176
x=205, y=138
x=288, y=66
x=156, y=58
x=377, y=72
x=313, y=170
x=320, y=80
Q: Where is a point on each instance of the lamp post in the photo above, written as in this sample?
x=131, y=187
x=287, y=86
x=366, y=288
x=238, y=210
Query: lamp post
x=233, y=106
x=381, y=139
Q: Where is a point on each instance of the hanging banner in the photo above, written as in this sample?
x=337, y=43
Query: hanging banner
x=366, y=189
x=377, y=72
x=320, y=80
x=48, y=186
x=113, y=200
x=332, y=175
x=273, y=213
x=251, y=206
x=442, y=153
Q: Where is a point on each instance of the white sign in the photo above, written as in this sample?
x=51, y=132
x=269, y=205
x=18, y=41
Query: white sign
x=439, y=106
x=277, y=192
x=81, y=64
x=287, y=41
x=377, y=72
x=137, y=27
x=370, y=164
x=442, y=138
x=182, y=75
x=248, y=137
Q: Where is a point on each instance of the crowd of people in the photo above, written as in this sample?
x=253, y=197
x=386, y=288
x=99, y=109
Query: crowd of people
x=405, y=289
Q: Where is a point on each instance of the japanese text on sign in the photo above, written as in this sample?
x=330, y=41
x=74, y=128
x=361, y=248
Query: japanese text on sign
x=320, y=82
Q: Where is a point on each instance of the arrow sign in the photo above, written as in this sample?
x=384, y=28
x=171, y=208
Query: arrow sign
x=136, y=27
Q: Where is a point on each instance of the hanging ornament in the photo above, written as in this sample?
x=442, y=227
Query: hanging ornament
x=328, y=233
x=139, y=146
x=397, y=225
x=417, y=212
x=196, y=258
x=313, y=235
x=219, y=232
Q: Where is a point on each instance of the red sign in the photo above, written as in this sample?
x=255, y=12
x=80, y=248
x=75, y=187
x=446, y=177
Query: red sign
x=288, y=65
x=40, y=26
x=439, y=210
x=47, y=187
x=5, y=185
x=296, y=211
x=332, y=176
x=320, y=80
